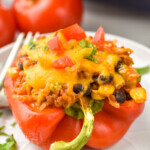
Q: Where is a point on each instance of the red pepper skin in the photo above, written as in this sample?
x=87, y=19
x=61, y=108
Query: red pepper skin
x=43, y=128
x=38, y=126
x=110, y=125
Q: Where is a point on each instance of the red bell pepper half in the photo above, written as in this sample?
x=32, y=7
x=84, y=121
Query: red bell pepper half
x=53, y=129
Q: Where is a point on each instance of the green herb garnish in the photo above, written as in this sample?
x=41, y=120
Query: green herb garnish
x=92, y=59
x=1, y=128
x=10, y=144
x=91, y=56
x=139, y=78
x=13, y=124
x=85, y=44
x=32, y=45
x=72, y=47
x=142, y=71
x=1, y=114
x=93, y=52
x=46, y=48
x=2, y=85
x=4, y=134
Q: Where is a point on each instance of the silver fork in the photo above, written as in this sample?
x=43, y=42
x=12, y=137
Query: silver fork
x=20, y=40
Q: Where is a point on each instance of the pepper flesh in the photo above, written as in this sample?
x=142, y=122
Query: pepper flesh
x=50, y=125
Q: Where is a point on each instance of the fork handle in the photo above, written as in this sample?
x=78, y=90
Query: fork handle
x=11, y=58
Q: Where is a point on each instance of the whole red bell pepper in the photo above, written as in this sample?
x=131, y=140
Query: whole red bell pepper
x=52, y=124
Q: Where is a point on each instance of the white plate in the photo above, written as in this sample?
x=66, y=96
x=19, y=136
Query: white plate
x=137, y=137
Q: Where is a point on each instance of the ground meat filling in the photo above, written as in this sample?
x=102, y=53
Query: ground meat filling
x=59, y=97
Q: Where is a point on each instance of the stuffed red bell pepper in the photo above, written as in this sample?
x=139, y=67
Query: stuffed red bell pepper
x=68, y=90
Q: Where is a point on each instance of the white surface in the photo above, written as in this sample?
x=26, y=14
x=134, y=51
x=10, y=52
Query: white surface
x=138, y=136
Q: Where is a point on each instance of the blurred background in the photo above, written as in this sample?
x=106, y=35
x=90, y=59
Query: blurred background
x=127, y=18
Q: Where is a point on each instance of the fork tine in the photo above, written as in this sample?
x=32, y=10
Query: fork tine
x=28, y=38
x=37, y=34
x=11, y=57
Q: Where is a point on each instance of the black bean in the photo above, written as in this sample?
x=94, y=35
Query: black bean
x=128, y=97
x=120, y=96
x=88, y=92
x=106, y=79
x=77, y=88
x=102, y=78
x=117, y=67
x=94, y=85
x=95, y=76
x=20, y=66
x=110, y=78
x=83, y=74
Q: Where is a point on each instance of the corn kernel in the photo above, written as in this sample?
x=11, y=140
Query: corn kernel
x=106, y=89
x=118, y=81
x=113, y=102
x=138, y=94
x=113, y=59
x=13, y=72
x=95, y=95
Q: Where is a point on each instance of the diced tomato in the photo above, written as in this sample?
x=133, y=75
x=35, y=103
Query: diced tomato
x=62, y=63
x=99, y=38
x=74, y=32
x=55, y=45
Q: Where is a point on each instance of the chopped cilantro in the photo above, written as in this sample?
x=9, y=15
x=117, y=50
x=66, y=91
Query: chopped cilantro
x=139, y=78
x=72, y=47
x=92, y=59
x=1, y=114
x=32, y=45
x=93, y=52
x=4, y=134
x=51, y=92
x=91, y=56
x=10, y=144
x=2, y=85
x=85, y=44
x=46, y=48
x=13, y=124
x=1, y=128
